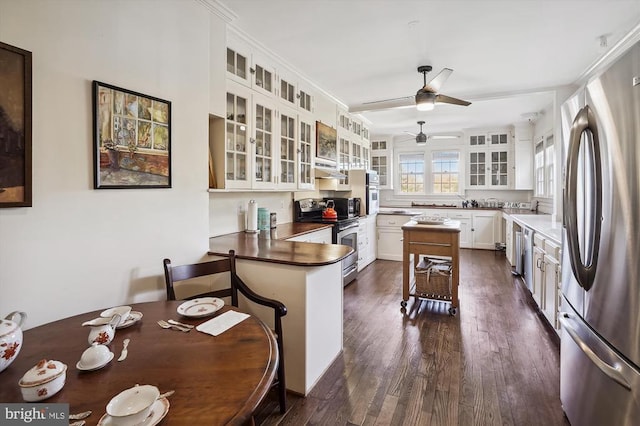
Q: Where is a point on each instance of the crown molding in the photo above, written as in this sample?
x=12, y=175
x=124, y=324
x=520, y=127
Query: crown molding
x=220, y=10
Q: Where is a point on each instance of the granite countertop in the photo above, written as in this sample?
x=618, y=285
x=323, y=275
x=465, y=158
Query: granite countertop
x=277, y=250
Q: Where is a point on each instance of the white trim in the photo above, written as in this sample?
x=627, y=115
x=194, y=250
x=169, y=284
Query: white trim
x=220, y=10
x=277, y=58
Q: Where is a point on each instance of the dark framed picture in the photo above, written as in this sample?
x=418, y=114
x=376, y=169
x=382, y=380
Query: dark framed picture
x=326, y=142
x=15, y=127
x=132, y=139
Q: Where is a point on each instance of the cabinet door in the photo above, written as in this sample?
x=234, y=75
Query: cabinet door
x=344, y=161
x=538, y=276
x=477, y=169
x=465, y=219
x=287, y=149
x=381, y=162
x=306, y=153
x=238, y=149
x=389, y=244
x=550, y=305
x=265, y=152
x=484, y=230
x=372, y=241
x=499, y=169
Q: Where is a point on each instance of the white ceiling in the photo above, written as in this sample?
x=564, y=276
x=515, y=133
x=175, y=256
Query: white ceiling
x=507, y=56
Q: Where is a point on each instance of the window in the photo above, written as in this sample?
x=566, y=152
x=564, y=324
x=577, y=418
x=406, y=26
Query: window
x=445, y=172
x=549, y=156
x=538, y=161
x=411, y=173
x=544, y=163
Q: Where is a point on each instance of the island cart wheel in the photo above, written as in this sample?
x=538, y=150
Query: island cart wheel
x=453, y=311
x=403, y=303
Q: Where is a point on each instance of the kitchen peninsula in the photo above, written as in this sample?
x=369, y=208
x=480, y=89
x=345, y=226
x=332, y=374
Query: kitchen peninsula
x=307, y=278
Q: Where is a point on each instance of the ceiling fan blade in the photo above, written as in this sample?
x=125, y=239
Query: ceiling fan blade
x=412, y=134
x=437, y=81
x=444, y=99
x=387, y=100
x=404, y=102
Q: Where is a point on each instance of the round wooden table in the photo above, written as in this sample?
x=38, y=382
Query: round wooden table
x=217, y=379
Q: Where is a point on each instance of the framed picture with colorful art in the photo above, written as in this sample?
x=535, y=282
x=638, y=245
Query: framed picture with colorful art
x=326, y=142
x=15, y=127
x=132, y=139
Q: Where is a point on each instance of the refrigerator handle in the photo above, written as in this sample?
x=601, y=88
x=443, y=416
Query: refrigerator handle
x=584, y=122
x=615, y=373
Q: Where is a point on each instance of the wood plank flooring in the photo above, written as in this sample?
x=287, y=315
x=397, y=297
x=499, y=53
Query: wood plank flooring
x=495, y=363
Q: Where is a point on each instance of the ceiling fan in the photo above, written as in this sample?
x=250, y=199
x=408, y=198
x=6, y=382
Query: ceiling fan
x=422, y=138
x=425, y=98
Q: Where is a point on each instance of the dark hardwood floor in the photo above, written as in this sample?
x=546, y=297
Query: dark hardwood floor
x=495, y=363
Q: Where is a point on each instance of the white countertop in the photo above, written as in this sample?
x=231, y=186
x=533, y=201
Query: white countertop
x=541, y=223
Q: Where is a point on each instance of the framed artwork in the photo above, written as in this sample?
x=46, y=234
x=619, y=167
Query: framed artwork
x=15, y=127
x=132, y=139
x=326, y=142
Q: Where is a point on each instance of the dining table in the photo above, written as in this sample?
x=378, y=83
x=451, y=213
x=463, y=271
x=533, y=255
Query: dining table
x=217, y=380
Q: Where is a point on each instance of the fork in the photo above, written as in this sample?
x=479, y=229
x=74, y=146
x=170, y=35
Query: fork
x=165, y=324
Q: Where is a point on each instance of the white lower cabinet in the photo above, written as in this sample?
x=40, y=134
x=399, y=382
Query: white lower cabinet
x=323, y=236
x=390, y=236
x=538, y=275
x=485, y=229
x=547, y=278
x=466, y=220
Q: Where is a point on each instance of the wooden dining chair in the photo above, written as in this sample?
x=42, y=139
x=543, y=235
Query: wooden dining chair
x=174, y=274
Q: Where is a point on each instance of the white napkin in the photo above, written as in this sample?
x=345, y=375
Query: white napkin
x=222, y=323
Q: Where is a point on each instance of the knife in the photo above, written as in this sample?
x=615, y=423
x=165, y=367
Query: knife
x=123, y=354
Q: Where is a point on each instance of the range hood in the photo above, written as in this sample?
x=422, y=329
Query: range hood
x=328, y=173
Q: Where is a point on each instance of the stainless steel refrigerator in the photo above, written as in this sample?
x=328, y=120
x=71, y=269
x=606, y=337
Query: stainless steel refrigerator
x=600, y=341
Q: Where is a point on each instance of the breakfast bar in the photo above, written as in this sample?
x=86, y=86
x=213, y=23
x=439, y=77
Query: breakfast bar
x=307, y=278
x=441, y=240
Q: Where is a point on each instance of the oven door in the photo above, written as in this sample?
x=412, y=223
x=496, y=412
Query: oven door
x=373, y=201
x=349, y=237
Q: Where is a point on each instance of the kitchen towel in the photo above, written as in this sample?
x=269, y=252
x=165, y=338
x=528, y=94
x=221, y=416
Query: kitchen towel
x=252, y=217
x=222, y=323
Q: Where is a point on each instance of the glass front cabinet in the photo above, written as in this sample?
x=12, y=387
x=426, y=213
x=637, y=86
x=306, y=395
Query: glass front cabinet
x=488, y=160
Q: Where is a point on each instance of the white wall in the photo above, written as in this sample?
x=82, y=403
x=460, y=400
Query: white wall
x=80, y=249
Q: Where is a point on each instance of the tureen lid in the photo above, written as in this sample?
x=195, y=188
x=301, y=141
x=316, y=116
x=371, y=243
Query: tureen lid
x=43, y=372
x=7, y=327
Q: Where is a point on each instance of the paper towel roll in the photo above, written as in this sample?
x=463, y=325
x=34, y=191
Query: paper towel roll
x=252, y=217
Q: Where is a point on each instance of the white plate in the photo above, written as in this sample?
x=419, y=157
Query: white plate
x=134, y=317
x=431, y=220
x=79, y=365
x=200, y=307
x=159, y=409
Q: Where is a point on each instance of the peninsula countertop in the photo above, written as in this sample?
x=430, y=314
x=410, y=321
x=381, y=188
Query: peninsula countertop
x=277, y=250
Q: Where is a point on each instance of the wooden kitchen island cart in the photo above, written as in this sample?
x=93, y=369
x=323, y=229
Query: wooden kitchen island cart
x=442, y=241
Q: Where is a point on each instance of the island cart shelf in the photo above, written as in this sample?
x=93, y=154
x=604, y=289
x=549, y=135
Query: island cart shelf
x=441, y=241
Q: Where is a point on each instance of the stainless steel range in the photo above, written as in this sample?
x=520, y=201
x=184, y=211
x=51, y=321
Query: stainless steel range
x=344, y=231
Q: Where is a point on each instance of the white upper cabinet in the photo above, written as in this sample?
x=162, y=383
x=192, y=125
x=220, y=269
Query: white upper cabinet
x=489, y=160
x=288, y=149
x=263, y=75
x=381, y=158
x=523, y=157
x=238, y=66
x=264, y=138
x=306, y=152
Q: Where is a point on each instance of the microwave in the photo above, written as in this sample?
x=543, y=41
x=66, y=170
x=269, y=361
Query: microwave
x=346, y=207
